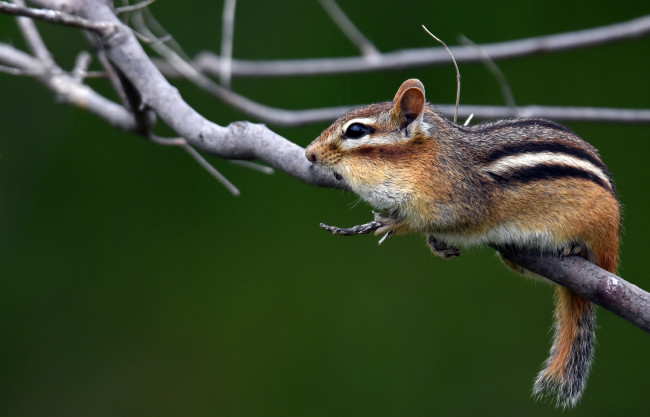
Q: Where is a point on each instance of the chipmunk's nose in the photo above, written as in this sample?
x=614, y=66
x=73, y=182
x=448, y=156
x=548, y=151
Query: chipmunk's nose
x=311, y=156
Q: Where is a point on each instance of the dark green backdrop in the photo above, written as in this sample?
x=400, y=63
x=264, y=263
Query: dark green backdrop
x=133, y=284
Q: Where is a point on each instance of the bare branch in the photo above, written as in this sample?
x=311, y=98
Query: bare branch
x=57, y=17
x=346, y=25
x=134, y=7
x=254, y=166
x=81, y=64
x=182, y=143
x=68, y=90
x=419, y=57
x=591, y=282
x=284, y=117
x=33, y=38
x=212, y=170
x=248, y=106
x=240, y=140
x=577, y=274
x=560, y=113
x=16, y=71
x=228, y=23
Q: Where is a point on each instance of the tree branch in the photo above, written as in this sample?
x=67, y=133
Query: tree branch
x=227, y=33
x=344, y=23
x=573, y=272
x=56, y=17
x=239, y=140
x=419, y=57
x=68, y=89
x=591, y=282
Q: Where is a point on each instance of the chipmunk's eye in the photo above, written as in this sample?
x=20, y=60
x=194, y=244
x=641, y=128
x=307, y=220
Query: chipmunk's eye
x=357, y=130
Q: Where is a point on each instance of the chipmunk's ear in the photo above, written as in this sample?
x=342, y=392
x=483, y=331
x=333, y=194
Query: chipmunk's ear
x=409, y=101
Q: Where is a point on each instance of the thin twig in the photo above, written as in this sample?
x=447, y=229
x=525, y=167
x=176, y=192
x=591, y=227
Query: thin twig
x=227, y=35
x=19, y=72
x=68, y=90
x=166, y=141
x=367, y=49
x=182, y=143
x=457, y=71
x=57, y=17
x=253, y=166
x=114, y=79
x=80, y=70
x=212, y=170
x=250, y=107
x=494, y=69
x=33, y=38
x=420, y=57
x=134, y=7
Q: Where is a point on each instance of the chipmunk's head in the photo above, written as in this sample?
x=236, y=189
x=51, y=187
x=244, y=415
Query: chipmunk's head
x=373, y=147
x=375, y=133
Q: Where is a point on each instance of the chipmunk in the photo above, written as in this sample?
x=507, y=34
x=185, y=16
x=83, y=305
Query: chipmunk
x=522, y=183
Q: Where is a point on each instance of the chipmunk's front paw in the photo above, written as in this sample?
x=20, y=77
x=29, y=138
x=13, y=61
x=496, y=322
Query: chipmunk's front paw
x=442, y=249
x=390, y=225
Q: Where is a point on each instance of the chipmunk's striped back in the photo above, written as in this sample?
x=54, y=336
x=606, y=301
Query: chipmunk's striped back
x=531, y=161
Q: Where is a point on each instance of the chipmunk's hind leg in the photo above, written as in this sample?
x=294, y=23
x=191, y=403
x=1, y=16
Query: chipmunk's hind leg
x=442, y=249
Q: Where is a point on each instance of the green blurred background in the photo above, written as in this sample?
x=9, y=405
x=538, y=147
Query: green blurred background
x=133, y=284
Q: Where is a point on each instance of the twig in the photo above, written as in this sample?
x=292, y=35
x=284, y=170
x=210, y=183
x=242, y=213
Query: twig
x=18, y=72
x=250, y=107
x=253, y=166
x=80, y=70
x=212, y=170
x=494, y=69
x=57, y=17
x=457, y=71
x=134, y=7
x=166, y=141
x=68, y=90
x=346, y=25
x=33, y=39
x=228, y=22
x=182, y=143
x=419, y=57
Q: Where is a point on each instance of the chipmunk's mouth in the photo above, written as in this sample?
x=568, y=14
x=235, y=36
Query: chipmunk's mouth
x=337, y=176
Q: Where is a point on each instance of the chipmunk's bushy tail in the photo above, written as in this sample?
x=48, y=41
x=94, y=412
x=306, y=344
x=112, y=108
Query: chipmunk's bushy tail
x=564, y=374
